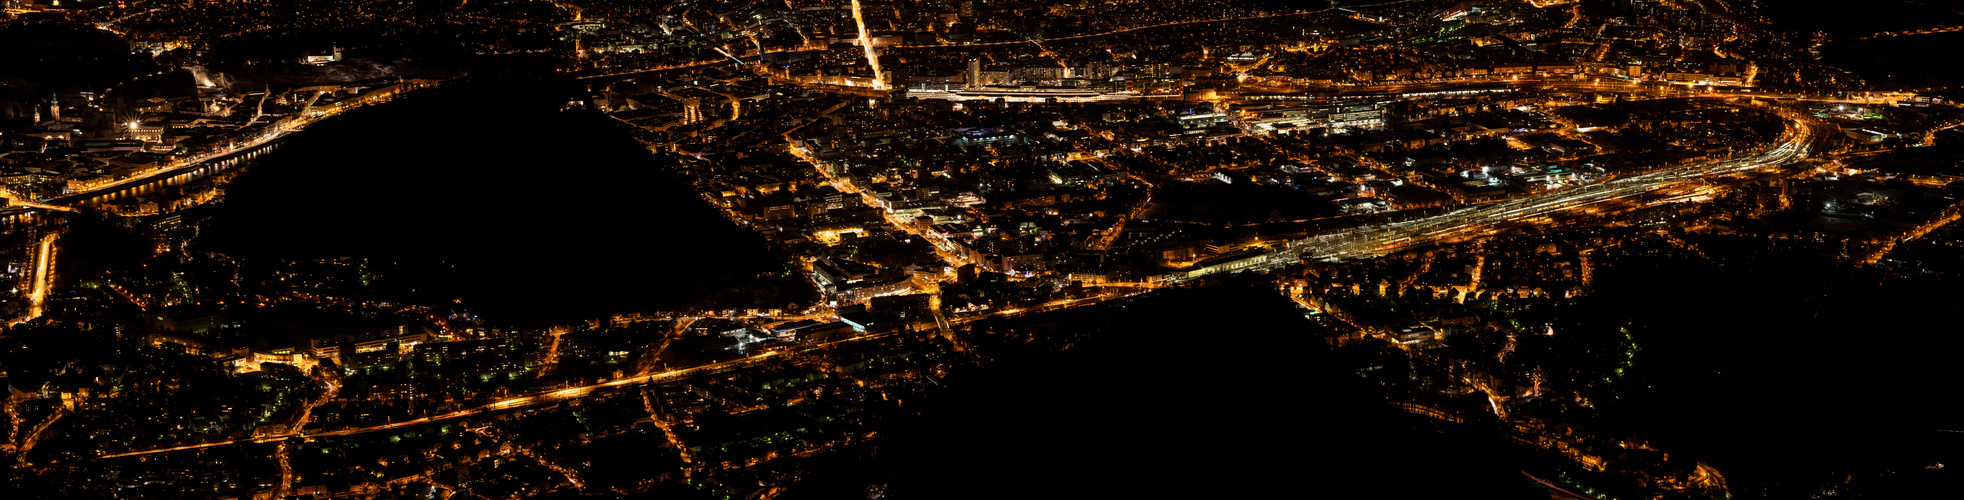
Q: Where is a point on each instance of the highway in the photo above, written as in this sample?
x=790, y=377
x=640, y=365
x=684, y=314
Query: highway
x=530, y=399
x=1472, y=222
x=511, y=403
x=1333, y=7
x=657, y=378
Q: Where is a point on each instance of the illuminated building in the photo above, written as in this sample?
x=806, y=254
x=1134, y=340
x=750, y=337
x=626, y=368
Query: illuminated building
x=322, y=59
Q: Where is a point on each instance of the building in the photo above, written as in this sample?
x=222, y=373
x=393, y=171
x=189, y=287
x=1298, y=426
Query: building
x=322, y=59
x=847, y=282
x=402, y=338
x=1254, y=258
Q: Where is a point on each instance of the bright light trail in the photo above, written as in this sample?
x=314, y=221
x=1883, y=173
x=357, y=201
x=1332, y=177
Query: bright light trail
x=866, y=42
x=43, y=265
x=1381, y=240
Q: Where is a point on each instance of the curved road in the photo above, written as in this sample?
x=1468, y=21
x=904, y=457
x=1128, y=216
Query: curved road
x=1372, y=241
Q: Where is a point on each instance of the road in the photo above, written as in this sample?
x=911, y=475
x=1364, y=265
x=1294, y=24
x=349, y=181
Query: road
x=947, y=250
x=649, y=360
x=272, y=134
x=1104, y=242
x=32, y=436
x=1471, y=222
x=531, y=399
x=505, y=404
x=657, y=378
x=1141, y=28
x=44, y=257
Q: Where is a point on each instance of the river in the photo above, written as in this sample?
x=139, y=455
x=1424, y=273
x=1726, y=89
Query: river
x=1216, y=392
x=486, y=189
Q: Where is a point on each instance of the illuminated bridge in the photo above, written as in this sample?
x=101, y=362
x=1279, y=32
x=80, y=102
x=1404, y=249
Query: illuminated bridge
x=163, y=180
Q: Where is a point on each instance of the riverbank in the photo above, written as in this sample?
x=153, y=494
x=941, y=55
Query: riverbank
x=529, y=213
